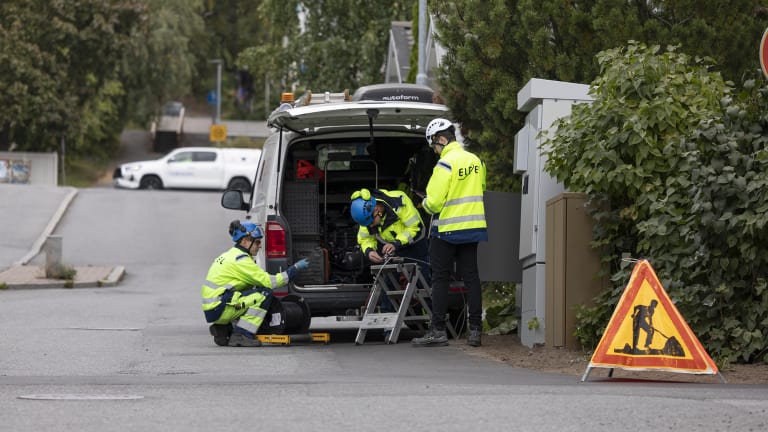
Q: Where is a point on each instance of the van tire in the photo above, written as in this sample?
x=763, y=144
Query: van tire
x=240, y=183
x=150, y=182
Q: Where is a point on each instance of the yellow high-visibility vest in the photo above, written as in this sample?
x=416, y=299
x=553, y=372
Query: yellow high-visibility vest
x=455, y=196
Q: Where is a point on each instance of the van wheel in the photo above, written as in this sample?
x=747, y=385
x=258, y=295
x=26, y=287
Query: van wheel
x=151, y=182
x=239, y=183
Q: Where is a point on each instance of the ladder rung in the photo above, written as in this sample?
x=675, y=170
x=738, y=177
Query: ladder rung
x=401, y=292
x=416, y=318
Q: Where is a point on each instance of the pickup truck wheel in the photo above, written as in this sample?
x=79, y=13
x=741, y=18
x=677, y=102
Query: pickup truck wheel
x=151, y=182
x=239, y=183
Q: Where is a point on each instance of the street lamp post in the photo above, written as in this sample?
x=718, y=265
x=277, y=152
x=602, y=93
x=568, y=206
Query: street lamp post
x=217, y=118
x=421, y=75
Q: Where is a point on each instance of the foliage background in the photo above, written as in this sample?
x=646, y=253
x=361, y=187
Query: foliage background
x=673, y=148
x=494, y=47
x=673, y=161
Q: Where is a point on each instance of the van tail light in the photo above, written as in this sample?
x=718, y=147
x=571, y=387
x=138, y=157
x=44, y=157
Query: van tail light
x=275, y=247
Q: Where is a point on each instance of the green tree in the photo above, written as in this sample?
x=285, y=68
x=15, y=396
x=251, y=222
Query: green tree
x=231, y=26
x=482, y=71
x=495, y=47
x=79, y=70
x=162, y=63
x=728, y=32
x=58, y=56
x=326, y=45
x=675, y=166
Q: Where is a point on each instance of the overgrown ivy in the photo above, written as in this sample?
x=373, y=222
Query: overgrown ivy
x=675, y=163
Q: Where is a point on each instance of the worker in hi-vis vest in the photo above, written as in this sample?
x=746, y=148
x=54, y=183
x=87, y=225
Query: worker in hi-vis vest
x=390, y=225
x=237, y=292
x=455, y=200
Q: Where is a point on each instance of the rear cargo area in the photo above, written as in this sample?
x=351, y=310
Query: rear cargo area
x=320, y=177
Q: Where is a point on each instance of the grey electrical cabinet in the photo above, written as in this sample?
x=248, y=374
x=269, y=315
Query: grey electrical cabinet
x=571, y=276
x=545, y=101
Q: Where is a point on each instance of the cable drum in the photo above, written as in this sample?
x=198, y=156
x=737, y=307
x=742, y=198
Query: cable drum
x=287, y=315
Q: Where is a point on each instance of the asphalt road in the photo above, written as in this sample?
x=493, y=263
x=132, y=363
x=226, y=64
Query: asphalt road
x=138, y=356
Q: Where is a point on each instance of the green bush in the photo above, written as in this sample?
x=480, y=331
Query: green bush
x=499, y=302
x=677, y=160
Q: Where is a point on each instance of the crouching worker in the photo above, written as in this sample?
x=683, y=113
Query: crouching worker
x=390, y=225
x=237, y=292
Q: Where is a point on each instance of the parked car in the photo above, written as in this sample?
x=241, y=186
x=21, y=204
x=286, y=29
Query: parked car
x=192, y=168
x=326, y=146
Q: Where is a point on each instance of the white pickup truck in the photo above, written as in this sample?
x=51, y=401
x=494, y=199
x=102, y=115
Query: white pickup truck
x=192, y=168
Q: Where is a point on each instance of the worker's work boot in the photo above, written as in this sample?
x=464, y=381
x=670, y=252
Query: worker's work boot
x=432, y=338
x=220, y=333
x=241, y=340
x=473, y=339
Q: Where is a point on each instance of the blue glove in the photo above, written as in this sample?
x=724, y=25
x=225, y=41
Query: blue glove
x=302, y=264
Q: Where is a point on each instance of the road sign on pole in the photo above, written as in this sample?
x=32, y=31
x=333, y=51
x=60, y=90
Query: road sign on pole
x=764, y=53
x=218, y=133
x=212, y=98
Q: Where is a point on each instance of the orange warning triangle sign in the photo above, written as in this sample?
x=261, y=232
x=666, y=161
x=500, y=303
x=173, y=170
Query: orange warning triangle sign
x=647, y=332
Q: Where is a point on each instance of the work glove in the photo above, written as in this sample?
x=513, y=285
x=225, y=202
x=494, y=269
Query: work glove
x=302, y=264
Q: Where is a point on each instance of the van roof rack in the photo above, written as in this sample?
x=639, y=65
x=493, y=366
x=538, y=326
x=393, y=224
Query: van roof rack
x=321, y=98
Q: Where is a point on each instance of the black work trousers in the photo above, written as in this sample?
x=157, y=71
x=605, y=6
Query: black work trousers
x=442, y=257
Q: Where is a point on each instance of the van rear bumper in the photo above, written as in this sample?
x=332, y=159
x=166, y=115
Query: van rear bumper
x=352, y=302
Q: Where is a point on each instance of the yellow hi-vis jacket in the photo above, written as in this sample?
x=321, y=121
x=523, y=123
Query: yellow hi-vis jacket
x=401, y=224
x=455, y=196
x=232, y=272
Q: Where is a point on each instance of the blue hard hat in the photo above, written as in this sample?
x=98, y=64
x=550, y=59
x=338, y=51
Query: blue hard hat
x=362, y=210
x=239, y=230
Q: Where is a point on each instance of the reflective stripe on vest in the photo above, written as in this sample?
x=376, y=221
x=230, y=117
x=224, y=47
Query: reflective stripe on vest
x=209, y=284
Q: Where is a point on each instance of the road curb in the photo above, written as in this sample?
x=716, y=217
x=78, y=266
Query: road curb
x=49, y=228
x=115, y=276
x=33, y=277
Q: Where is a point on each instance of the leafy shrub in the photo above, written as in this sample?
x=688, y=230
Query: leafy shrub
x=679, y=165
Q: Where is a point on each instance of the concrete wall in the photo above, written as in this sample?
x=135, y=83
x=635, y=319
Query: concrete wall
x=29, y=168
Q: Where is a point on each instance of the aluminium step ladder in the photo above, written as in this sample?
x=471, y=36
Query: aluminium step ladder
x=386, y=276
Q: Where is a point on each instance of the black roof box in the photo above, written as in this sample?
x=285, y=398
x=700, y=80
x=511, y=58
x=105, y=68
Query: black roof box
x=394, y=93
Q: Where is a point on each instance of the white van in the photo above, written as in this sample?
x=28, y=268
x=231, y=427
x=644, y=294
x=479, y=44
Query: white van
x=324, y=148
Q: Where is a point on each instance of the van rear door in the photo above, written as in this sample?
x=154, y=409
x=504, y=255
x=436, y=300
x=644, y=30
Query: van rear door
x=309, y=119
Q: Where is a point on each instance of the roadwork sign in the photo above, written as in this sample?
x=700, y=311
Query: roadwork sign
x=647, y=332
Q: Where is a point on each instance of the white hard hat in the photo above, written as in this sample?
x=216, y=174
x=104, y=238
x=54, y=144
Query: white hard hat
x=435, y=126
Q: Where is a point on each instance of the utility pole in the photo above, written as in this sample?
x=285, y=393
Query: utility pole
x=421, y=75
x=217, y=118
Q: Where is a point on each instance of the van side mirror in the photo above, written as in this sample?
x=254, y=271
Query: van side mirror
x=233, y=200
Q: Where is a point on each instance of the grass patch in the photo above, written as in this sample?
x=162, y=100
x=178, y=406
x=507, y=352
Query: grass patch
x=66, y=273
x=83, y=172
